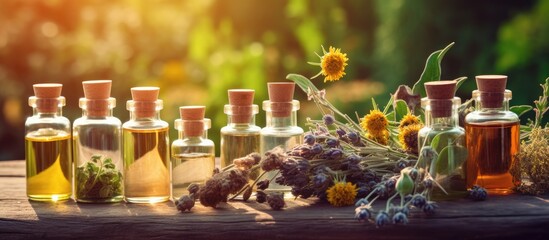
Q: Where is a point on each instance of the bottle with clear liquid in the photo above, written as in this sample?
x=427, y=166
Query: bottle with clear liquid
x=193, y=154
x=443, y=135
x=47, y=146
x=493, y=134
x=146, y=149
x=281, y=128
x=97, y=147
x=241, y=136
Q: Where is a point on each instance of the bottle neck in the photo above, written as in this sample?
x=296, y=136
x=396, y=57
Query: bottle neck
x=87, y=114
x=492, y=101
x=239, y=123
x=181, y=135
x=480, y=107
x=441, y=114
x=42, y=114
x=281, y=122
x=138, y=117
x=192, y=129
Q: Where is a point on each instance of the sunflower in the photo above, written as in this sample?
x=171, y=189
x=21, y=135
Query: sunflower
x=407, y=120
x=332, y=64
x=375, y=122
x=407, y=137
x=342, y=194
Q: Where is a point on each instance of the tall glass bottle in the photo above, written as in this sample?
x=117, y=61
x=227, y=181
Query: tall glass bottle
x=146, y=149
x=281, y=128
x=241, y=136
x=442, y=134
x=193, y=154
x=47, y=146
x=97, y=147
x=493, y=134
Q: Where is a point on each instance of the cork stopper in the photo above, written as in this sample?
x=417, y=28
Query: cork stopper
x=47, y=95
x=281, y=95
x=241, y=105
x=492, y=90
x=441, y=94
x=97, y=95
x=193, y=120
x=144, y=99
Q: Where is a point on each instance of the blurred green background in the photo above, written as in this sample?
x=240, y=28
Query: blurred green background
x=196, y=50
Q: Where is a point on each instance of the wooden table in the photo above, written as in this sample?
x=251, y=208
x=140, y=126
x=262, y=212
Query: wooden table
x=515, y=216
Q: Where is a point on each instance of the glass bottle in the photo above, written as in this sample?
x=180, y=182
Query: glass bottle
x=442, y=134
x=146, y=149
x=241, y=136
x=97, y=147
x=281, y=128
x=493, y=134
x=193, y=154
x=47, y=146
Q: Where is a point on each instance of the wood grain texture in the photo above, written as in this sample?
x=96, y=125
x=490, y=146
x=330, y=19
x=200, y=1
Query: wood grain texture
x=515, y=216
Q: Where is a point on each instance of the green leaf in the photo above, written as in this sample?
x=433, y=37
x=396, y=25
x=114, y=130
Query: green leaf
x=401, y=110
x=391, y=115
x=520, y=109
x=459, y=81
x=449, y=159
x=432, y=70
x=304, y=83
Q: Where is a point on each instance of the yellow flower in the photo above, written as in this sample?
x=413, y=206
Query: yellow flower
x=408, y=120
x=332, y=64
x=407, y=137
x=375, y=122
x=380, y=137
x=342, y=194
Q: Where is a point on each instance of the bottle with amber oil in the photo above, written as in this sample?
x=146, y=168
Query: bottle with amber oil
x=146, y=149
x=241, y=136
x=97, y=147
x=281, y=128
x=193, y=154
x=492, y=136
x=47, y=146
x=441, y=141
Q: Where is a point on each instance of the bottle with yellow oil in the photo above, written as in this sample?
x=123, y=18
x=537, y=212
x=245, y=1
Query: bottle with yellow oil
x=146, y=149
x=47, y=146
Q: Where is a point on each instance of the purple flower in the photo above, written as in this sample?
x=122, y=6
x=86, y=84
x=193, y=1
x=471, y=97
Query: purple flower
x=309, y=139
x=382, y=218
x=328, y=119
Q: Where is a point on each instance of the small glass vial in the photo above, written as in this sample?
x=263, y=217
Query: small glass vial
x=47, y=146
x=281, y=128
x=97, y=147
x=146, y=149
x=443, y=135
x=493, y=134
x=241, y=136
x=193, y=154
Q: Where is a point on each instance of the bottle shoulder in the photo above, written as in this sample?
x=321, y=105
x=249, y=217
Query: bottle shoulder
x=288, y=131
x=488, y=116
x=244, y=129
x=112, y=121
x=153, y=124
x=37, y=122
x=202, y=142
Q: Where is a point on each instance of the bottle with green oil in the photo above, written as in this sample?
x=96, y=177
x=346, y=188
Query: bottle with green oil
x=281, y=128
x=241, y=136
x=443, y=152
x=146, y=149
x=47, y=146
x=97, y=147
x=193, y=154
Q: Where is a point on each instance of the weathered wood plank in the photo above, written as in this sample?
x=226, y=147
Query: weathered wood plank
x=512, y=216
